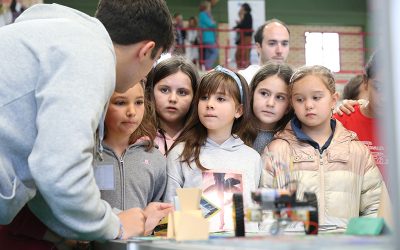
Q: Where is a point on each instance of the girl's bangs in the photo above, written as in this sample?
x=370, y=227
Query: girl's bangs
x=211, y=83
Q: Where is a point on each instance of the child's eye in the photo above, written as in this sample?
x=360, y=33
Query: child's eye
x=265, y=93
x=316, y=98
x=220, y=99
x=139, y=103
x=281, y=97
x=164, y=90
x=204, y=98
x=182, y=92
x=120, y=103
x=299, y=99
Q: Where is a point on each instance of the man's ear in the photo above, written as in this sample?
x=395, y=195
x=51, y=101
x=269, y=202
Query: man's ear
x=258, y=49
x=239, y=111
x=145, y=49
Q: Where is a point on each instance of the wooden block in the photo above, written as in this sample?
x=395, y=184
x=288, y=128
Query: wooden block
x=190, y=225
x=171, y=226
x=189, y=198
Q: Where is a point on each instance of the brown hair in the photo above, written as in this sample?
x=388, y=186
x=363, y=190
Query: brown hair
x=146, y=127
x=284, y=72
x=164, y=69
x=352, y=88
x=194, y=134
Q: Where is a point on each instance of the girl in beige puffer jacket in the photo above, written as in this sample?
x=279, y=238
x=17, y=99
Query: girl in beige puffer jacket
x=321, y=156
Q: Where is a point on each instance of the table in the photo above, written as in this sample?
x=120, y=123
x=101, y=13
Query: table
x=281, y=242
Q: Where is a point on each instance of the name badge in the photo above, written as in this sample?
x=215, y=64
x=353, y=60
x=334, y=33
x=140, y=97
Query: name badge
x=104, y=175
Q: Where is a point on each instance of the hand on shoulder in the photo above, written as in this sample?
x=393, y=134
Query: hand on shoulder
x=347, y=106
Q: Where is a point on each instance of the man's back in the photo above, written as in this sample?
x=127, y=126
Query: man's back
x=46, y=75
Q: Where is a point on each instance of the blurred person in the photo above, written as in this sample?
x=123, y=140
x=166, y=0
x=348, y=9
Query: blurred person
x=355, y=89
x=365, y=118
x=208, y=35
x=192, y=51
x=243, y=38
x=6, y=14
x=180, y=34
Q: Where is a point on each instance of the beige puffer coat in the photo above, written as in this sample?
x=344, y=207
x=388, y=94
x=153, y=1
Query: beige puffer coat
x=344, y=177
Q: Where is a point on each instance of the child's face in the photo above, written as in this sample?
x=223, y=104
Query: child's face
x=313, y=102
x=125, y=112
x=173, y=96
x=270, y=101
x=217, y=113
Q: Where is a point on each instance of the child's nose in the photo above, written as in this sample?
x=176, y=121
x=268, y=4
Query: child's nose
x=210, y=103
x=131, y=111
x=270, y=101
x=172, y=97
x=309, y=104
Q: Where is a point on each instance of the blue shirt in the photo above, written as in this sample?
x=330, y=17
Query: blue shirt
x=301, y=136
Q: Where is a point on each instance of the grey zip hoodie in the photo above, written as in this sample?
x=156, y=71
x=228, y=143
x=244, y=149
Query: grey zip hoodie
x=140, y=176
x=57, y=72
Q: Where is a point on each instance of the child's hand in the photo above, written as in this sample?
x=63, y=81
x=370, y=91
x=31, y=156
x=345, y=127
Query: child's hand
x=155, y=212
x=133, y=221
x=346, y=107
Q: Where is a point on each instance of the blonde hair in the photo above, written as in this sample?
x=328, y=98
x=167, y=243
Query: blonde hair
x=324, y=73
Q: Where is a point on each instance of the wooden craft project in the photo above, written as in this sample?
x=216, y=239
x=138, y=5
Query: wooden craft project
x=188, y=223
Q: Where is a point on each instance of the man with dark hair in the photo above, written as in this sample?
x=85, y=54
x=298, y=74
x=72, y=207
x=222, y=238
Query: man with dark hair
x=58, y=70
x=272, y=43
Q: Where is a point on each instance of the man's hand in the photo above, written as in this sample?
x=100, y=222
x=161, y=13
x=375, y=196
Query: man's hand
x=133, y=221
x=347, y=107
x=155, y=212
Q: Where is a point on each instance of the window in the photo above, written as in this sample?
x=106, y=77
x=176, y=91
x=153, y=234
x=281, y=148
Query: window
x=323, y=49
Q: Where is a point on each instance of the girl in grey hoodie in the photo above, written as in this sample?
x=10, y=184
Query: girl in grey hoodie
x=131, y=172
x=210, y=139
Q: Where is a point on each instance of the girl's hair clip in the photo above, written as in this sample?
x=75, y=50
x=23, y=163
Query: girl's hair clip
x=234, y=76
